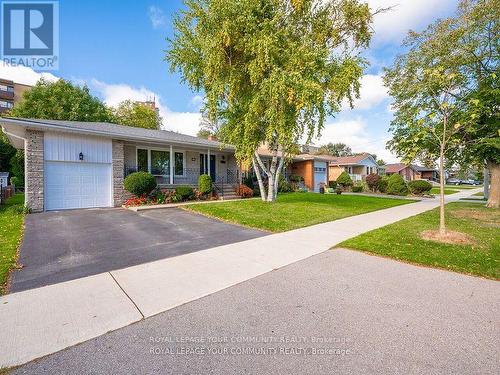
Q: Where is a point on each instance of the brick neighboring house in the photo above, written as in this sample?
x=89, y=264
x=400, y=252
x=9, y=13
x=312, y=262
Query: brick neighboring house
x=411, y=172
x=430, y=174
x=358, y=166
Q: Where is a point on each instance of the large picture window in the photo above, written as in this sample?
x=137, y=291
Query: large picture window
x=142, y=160
x=160, y=162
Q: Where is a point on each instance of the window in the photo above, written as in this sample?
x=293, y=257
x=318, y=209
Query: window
x=160, y=162
x=6, y=88
x=179, y=163
x=6, y=104
x=142, y=160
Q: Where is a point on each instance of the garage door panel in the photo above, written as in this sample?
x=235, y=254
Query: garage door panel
x=77, y=185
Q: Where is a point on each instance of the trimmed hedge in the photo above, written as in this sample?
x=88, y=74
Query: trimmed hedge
x=185, y=192
x=140, y=183
x=358, y=188
x=396, y=185
x=344, y=179
x=205, y=184
x=382, y=184
x=419, y=187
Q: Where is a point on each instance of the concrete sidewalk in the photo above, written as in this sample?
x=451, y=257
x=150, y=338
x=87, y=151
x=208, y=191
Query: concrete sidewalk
x=45, y=320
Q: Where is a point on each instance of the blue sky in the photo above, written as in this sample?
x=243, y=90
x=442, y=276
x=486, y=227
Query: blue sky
x=116, y=47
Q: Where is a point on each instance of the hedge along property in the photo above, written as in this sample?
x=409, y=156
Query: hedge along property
x=72, y=164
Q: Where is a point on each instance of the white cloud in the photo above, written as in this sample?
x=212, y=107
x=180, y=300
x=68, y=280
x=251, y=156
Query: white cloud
x=372, y=93
x=393, y=25
x=24, y=75
x=157, y=17
x=196, y=102
x=182, y=122
x=353, y=133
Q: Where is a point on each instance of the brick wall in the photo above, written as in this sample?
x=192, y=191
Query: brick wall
x=119, y=194
x=34, y=170
x=305, y=169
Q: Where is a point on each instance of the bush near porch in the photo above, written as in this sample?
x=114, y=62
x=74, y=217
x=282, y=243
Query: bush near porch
x=294, y=210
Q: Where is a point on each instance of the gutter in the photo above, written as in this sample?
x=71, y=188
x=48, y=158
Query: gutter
x=42, y=125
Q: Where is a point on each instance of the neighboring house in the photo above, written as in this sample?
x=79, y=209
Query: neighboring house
x=10, y=93
x=72, y=164
x=407, y=171
x=4, y=178
x=430, y=174
x=312, y=168
x=358, y=166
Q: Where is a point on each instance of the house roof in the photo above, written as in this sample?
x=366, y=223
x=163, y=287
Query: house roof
x=264, y=151
x=110, y=130
x=350, y=160
x=423, y=169
x=395, y=168
x=4, y=174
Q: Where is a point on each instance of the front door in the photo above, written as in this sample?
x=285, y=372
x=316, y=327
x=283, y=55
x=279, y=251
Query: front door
x=204, y=165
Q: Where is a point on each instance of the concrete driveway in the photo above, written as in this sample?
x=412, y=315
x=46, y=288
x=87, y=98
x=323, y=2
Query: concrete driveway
x=65, y=245
x=340, y=312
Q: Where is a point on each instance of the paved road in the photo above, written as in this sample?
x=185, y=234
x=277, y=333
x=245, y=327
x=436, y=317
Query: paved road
x=66, y=245
x=384, y=317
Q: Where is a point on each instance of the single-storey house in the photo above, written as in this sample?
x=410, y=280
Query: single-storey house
x=357, y=166
x=430, y=174
x=407, y=171
x=72, y=164
x=312, y=168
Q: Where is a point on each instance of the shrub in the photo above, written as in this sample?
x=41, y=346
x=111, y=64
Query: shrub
x=344, y=179
x=17, y=181
x=184, y=192
x=419, y=187
x=372, y=181
x=396, y=185
x=248, y=181
x=283, y=185
x=338, y=191
x=382, y=184
x=140, y=183
x=358, y=188
x=244, y=191
x=296, y=178
x=332, y=184
x=205, y=184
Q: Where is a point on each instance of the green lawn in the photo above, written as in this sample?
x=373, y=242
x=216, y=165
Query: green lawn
x=402, y=240
x=435, y=190
x=478, y=194
x=11, y=229
x=294, y=210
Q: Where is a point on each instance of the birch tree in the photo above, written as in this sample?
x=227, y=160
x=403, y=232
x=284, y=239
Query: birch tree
x=271, y=70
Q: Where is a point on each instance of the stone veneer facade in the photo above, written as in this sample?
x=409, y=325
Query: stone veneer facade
x=34, y=170
x=119, y=193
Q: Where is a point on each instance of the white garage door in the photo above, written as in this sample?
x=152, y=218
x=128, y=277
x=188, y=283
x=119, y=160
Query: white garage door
x=77, y=185
x=319, y=175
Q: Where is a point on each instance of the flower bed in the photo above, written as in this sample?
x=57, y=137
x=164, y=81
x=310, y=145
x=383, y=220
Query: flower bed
x=165, y=196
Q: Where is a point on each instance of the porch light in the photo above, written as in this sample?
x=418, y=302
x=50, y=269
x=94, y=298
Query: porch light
x=80, y=156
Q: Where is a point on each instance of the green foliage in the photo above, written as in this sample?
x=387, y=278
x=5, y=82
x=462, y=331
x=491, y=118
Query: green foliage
x=332, y=184
x=283, y=185
x=382, y=184
x=185, y=192
x=205, y=184
x=6, y=152
x=344, y=179
x=136, y=114
x=335, y=149
x=140, y=183
x=358, y=188
x=17, y=181
x=419, y=187
x=396, y=185
x=248, y=181
x=271, y=70
x=338, y=191
x=296, y=178
x=372, y=180
x=61, y=100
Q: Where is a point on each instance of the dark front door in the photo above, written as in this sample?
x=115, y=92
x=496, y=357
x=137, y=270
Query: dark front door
x=204, y=165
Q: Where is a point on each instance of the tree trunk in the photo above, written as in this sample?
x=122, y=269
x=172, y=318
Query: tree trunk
x=494, y=197
x=271, y=197
x=486, y=182
x=259, y=178
x=442, y=225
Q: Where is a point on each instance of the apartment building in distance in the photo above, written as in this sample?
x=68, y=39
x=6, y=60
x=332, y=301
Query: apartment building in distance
x=10, y=94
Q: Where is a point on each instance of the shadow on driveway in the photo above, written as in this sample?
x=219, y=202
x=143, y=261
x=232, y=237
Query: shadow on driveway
x=65, y=245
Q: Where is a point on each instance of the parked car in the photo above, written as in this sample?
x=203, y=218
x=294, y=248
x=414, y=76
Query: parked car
x=471, y=182
x=454, y=181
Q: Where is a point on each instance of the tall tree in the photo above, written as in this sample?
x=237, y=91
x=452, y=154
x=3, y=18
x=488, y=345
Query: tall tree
x=61, y=100
x=136, y=114
x=335, y=149
x=271, y=70
x=430, y=97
